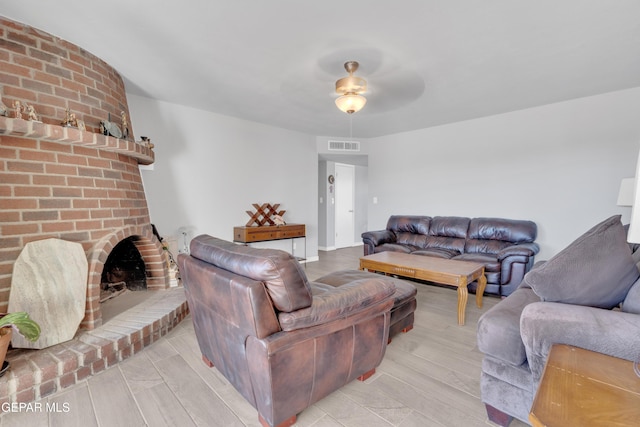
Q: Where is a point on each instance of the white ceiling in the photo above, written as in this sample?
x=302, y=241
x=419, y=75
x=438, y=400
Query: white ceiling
x=427, y=62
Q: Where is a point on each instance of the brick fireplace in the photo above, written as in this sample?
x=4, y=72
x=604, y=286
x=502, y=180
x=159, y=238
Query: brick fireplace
x=64, y=182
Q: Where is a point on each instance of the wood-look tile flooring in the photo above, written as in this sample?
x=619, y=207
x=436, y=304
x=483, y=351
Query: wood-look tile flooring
x=429, y=377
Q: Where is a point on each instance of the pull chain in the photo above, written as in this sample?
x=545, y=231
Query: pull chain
x=350, y=126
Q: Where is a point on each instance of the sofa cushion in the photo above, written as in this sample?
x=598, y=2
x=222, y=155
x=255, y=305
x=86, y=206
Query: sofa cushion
x=454, y=245
x=281, y=273
x=491, y=235
x=492, y=267
x=631, y=303
x=595, y=270
x=409, y=230
x=507, y=230
x=499, y=328
x=449, y=226
x=436, y=252
x=490, y=261
x=394, y=247
x=409, y=224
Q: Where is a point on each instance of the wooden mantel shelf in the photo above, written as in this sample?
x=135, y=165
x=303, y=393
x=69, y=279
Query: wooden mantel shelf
x=72, y=136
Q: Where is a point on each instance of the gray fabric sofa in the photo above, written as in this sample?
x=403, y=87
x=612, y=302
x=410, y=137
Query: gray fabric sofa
x=505, y=246
x=588, y=296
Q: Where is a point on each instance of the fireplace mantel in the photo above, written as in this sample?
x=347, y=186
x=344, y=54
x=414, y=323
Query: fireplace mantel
x=73, y=136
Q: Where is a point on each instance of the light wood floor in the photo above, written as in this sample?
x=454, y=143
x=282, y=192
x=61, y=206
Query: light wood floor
x=429, y=377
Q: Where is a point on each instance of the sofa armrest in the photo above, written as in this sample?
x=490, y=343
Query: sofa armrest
x=522, y=249
x=338, y=303
x=498, y=330
x=610, y=332
x=378, y=237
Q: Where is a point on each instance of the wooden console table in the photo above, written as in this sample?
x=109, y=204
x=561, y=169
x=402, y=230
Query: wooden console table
x=584, y=388
x=267, y=233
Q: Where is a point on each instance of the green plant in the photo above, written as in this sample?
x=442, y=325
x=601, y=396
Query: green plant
x=21, y=322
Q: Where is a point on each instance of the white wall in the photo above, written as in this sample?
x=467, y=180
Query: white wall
x=559, y=165
x=210, y=168
x=361, y=202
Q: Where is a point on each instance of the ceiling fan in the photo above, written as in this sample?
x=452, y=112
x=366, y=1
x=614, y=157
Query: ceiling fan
x=350, y=89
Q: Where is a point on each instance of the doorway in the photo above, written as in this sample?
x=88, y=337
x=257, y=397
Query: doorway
x=345, y=201
x=327, y=221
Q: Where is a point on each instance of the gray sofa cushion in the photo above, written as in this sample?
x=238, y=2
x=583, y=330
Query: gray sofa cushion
x=631, y=303
x=499, y=327
x=595, y=270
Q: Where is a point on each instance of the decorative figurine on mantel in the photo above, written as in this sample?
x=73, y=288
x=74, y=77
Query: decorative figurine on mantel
x=70, y=120
x=31, y=114
x=4, y=110
x=146, y=141
x=125, y=125
x=18, y=107
x=107, y=127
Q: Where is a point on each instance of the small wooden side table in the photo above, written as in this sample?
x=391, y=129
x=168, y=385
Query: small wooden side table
x=584, y=388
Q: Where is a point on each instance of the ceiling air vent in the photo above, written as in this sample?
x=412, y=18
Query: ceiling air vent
x=344, y=146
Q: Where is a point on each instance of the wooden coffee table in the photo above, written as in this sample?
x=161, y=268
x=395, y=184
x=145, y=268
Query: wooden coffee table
x=584, y=388
x=438, y=270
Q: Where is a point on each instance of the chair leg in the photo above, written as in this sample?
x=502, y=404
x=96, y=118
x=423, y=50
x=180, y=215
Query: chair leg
x=286, y=423
x=206, y=361
x=367, y=375
x=496, y=416
x=408, y=328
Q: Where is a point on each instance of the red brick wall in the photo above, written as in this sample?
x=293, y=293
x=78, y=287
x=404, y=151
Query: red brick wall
x=52, y=75
x=53, y=184
x=62, y=182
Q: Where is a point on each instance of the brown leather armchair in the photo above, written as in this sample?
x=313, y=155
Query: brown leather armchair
x=282, y=341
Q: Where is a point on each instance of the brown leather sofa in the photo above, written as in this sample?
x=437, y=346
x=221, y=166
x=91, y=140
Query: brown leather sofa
x=505, y=246
x=282, y=341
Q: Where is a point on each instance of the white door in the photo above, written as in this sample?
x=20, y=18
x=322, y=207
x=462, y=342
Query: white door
x=344, y=215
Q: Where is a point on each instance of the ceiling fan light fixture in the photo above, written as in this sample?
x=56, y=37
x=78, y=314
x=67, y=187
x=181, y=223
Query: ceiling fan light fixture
x=350, y=89
x=351, y=84
x=351, y=102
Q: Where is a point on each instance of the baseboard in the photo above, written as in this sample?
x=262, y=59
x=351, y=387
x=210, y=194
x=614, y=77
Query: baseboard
x=333, y=248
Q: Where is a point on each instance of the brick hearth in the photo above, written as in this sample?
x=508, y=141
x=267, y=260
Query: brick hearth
x=35, y=374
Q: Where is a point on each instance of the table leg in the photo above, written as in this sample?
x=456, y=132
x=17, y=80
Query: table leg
x=482, y=284
x=463, y=295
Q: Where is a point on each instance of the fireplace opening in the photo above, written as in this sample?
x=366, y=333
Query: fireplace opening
x=124, y=270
